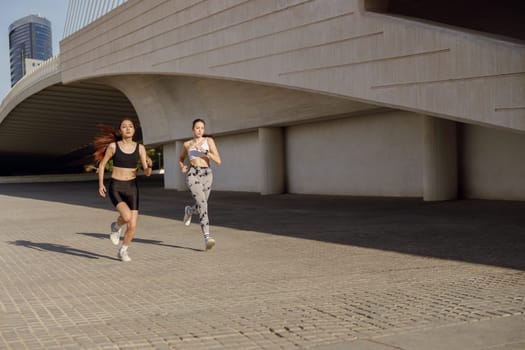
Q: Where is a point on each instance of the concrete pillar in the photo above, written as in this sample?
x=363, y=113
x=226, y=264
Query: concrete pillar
x=173, y=177
x=440, y=172
x=271, y=152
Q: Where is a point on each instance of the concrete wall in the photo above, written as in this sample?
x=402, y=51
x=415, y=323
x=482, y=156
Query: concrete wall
x=240, y=169
x=492, y=163
x=381, y=155
x=373, y=155
x=376, y=155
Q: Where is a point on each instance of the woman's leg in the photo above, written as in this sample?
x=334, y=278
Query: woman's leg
x=117, y=227
x=131, y=225
x=195, y=185
x=125, y=196
x=129, y=218
x=206, y=181
x=120, y=194
x=125, y=213
x=199, y=183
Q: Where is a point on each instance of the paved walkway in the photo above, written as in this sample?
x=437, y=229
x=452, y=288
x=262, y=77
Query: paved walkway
x=288, y=272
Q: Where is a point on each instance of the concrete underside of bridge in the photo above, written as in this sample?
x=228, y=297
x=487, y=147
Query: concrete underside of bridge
x=52, y=130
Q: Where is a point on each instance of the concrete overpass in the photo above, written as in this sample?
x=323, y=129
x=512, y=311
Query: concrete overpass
x=43, y=121
x=305, y=96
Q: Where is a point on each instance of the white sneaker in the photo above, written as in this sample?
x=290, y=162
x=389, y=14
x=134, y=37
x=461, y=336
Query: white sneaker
x=188, y=212
x=210, y=243
x=116, y=230
x=123, y=255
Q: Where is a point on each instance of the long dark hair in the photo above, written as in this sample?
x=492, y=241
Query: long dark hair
x=105, y=137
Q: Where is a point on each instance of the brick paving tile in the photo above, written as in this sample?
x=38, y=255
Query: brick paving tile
x=288, y=271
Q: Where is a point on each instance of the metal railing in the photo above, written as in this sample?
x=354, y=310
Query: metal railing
x=80, y=13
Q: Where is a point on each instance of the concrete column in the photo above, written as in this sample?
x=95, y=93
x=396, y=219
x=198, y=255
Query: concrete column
x=173, y=177
x=440, y=172
x=271, y=152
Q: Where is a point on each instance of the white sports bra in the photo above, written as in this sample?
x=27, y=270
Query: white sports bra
x=194, y=154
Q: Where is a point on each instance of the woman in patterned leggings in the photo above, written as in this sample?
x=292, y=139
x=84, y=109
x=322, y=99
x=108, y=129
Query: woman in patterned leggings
x=199, y=177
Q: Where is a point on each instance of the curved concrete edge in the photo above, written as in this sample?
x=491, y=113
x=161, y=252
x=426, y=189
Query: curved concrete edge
x=46, y=75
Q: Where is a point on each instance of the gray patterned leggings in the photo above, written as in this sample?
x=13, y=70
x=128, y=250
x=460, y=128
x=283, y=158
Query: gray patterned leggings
x=199, y=182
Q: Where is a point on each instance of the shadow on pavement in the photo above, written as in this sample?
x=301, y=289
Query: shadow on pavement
x=139, y=240
x=476, y=231
x=59, y=248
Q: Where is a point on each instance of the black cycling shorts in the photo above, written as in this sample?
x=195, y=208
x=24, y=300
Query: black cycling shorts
x=124, y=191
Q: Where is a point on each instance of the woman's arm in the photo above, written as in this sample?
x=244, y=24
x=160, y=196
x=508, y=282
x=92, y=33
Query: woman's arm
x=182, y=157
x=110, y=151
x=213, y=154
x=145, y=160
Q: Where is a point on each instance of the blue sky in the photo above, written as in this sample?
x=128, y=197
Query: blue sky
x=54, y=10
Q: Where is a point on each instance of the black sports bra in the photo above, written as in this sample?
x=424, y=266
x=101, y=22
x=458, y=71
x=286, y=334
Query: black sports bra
x=126, y=160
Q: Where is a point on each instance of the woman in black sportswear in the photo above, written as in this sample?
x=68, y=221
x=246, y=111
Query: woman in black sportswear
x=122, y=190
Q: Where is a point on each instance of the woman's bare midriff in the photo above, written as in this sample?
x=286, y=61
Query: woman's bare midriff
x=200, y=162
x=123, y=174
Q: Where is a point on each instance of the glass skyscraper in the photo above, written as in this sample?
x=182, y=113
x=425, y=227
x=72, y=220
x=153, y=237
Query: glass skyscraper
x=29, y=38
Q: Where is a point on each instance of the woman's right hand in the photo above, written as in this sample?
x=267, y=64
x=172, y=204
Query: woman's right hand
x=184, y=169
x=102, y=191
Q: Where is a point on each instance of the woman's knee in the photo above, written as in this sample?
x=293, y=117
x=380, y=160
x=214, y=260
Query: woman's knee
x=126, y=217
x=131, y=226
x=132, y=222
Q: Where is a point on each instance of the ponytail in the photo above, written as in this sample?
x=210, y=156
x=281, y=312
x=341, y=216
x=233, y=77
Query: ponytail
x=102, y=140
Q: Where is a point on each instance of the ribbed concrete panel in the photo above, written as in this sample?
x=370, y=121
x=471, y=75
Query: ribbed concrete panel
x=330, y=47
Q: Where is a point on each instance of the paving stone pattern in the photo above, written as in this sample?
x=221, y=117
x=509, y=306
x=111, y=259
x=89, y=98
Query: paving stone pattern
x=288, y=271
